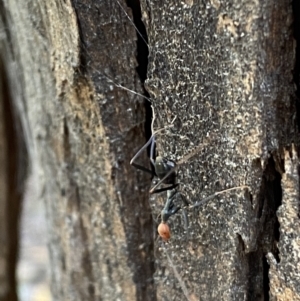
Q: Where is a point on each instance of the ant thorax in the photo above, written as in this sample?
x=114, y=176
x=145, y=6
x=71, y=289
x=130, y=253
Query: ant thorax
x=162, y=167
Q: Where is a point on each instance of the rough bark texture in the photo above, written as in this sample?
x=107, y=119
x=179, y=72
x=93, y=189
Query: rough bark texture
x=81, y=131
x=225, y=71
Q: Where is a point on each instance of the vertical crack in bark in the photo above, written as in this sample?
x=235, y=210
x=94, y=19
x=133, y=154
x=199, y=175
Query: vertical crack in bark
x=67, y=146
x=272, y=194
x=273, y=199
x=296, y=12
x=274, y=191
x=269, y=200
x=266, y=281
x=142, y=57
x=16, y=170
x=256, y=289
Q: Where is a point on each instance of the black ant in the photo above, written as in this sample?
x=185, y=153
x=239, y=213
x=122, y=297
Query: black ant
x=165, y=170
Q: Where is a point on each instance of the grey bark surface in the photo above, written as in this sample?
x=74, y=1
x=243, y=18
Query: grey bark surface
x=220, y=79
x=225, y=73
x=81, y=131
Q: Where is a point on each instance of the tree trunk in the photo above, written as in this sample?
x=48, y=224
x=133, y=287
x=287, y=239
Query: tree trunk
x=222, y=87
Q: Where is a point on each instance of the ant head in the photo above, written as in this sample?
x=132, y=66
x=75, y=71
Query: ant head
x=164, y=231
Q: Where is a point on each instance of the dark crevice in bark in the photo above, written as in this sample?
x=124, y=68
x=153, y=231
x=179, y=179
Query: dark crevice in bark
x=142, y=46
x=261, y=201
x=241, y=243
x=255, y=278
x=277, y=201
x=296, y=11
x=298, y=171
x=85, y=56
x=273, y=199
x=67, y=146
x=142, y=57
x=266, y=280
x=269, y=200
x=16, y=175
x=272, y=192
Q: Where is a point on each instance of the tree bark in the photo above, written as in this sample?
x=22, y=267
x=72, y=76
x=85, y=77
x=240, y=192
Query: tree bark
x=222, y=87
x=225, y=73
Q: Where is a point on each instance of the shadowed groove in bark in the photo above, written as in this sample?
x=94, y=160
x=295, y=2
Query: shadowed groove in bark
x=16, y=170
x=296, y=11
x=272, y=193
x=142, y=58
x=269, y=200
x=276, y=200
x=67, y=147
x=255, y=289
x=273, y=199
x=266, y=281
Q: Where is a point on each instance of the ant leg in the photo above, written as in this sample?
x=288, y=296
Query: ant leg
x=161, y=181
x=138, y=166
x=152, y=141
x=152, y=151
x=164, y=188
x=173, y=210
x=185, y=291
x=169, y=208
x=140, y=150
x=185, y=219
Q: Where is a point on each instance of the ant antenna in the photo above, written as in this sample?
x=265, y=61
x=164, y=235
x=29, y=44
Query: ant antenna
x=178, y=277
x=113, y=82
x=155, y=132
x=132, y=23
x=205, y=200
x=194, y=152
x=152, y=139
x=152, y=151
x=122, y=87
x=153, y=118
